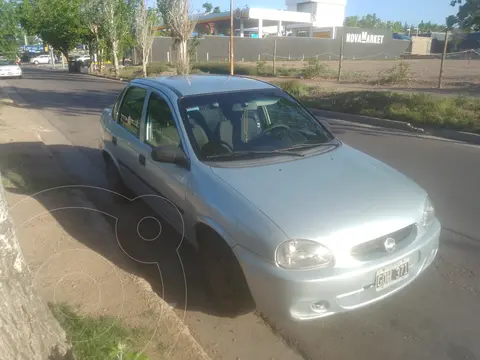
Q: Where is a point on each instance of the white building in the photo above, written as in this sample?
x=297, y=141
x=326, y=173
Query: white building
x=314, y=18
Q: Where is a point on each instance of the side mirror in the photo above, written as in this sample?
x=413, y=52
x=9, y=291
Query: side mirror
x=171, y=154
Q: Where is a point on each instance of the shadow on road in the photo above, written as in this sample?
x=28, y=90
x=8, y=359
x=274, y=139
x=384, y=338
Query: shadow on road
x=340, y=128
x=177, y=279
x=66, y=94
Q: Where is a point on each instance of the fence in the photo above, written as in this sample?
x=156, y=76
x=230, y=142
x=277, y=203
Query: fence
x=388, y=64
x=216, y=48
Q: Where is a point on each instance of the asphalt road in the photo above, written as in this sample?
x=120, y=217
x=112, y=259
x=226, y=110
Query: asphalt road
x=434, y=318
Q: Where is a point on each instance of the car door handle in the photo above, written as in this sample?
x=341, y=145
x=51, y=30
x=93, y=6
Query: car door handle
x=141, y=159
x=114, y=140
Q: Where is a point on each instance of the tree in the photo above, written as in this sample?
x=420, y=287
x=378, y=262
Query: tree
x=370, y=21
x=216, y=10
x=468, y=16
x=351, y=21
x=93, y=20
x=57, y=22
x=429, y=27
x=9, y=30
x=208, y=7
x=145, y=32
x=175, y=14
x=28, y=330
x=114, y=14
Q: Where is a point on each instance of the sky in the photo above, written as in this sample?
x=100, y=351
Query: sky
x=411, y=11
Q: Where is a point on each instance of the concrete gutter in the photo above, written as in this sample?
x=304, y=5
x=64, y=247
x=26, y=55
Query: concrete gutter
x=455, y=135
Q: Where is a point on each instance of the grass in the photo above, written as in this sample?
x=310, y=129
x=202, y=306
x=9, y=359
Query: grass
x=224, y=68
x=295, y=88
x=132, y=72
x=460, y=113
x=98, y=338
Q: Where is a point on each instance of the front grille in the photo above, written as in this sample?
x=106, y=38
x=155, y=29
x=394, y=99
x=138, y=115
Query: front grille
x=375, y=248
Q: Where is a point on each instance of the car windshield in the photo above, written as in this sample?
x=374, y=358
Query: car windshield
x=6, y=62
x=231, y=126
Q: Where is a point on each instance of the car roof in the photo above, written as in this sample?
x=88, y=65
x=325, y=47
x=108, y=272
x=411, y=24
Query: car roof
x=205, y=84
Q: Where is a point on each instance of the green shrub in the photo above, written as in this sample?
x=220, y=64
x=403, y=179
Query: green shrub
x=224, y=68
x=156, y=68
x=294, y=88
x=289, y=71
x=397, y=74
x=316, y=69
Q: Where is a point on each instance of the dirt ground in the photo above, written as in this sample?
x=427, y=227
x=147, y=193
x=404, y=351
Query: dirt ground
x=424, y=72
x=58, y=229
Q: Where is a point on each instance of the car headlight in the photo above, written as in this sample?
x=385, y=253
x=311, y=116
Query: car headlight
x=303, y=255
x=428, y=213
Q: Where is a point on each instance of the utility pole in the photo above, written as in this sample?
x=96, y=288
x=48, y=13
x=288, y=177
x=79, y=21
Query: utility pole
x=232, y=29
x=440, y=76
x=340, y=61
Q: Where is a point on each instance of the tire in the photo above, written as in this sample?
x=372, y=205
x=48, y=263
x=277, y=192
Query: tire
x=224, y=280
x=116, y=184
x=36, y=62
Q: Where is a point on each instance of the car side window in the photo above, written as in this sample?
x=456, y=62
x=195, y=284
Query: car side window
x=116, y=106
x=160, y=126
x=130, y=113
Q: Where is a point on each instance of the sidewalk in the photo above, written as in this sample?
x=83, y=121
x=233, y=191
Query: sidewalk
x=71, y=248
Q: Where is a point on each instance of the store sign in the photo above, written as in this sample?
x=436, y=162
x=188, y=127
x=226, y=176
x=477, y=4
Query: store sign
x=364, y=38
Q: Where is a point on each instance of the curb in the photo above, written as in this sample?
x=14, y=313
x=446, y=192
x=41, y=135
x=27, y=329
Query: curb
x=392, y=124
x=106, y=77
x=454, y=135
x=55, y=136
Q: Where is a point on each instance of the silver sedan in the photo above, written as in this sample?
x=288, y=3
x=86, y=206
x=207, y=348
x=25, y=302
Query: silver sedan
x=283, y=214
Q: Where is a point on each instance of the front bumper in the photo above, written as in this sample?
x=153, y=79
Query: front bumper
x=10, y=74
x=302, y=296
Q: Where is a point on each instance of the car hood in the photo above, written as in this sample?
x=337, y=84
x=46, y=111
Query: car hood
x=331, y=195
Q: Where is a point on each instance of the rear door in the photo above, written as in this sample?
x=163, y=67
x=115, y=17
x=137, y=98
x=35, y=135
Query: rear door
x=130, y=115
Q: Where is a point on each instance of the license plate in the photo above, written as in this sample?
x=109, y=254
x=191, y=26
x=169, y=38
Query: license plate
x=391, y=275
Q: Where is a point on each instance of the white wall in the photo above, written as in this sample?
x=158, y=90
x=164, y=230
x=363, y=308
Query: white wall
x=326, y=12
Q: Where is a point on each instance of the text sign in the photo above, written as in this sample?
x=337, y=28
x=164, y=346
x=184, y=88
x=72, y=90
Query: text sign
x=364, y=38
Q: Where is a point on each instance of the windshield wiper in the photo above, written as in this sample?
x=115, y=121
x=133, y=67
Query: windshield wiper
x=311, y=145
x=247, y=153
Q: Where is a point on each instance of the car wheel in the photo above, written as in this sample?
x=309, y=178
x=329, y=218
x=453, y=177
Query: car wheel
x=36, y=62
x=116, y=184
x=225, y=282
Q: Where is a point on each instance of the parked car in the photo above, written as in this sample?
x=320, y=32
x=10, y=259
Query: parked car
x=9, y=68
x=82, y=58
x=280, y=211
x=40, y=59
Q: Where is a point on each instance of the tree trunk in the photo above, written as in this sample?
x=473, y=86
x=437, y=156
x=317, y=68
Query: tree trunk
x=91, y=52
x=115, y=57
x=28, y=330
x=100, y=61
x=144, y=69
x=97, y=54
x=183, y=67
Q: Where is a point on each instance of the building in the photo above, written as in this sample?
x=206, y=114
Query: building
x=313, y=18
